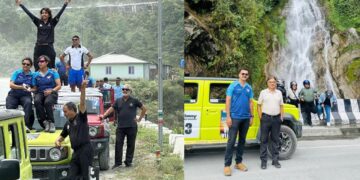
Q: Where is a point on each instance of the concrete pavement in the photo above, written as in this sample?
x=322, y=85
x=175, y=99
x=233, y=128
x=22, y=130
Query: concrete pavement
x=332, y=131
x=313, y=160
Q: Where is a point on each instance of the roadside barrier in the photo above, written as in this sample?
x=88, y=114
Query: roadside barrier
x=345, y=112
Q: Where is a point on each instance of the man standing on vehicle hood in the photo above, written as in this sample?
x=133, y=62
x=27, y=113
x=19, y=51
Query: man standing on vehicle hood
x=239, y=116
x=78, y=129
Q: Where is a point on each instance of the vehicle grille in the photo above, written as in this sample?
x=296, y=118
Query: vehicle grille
x=39, y=154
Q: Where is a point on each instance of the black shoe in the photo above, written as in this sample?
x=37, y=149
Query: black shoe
x=276, y=164
x=116, y=166
x=263, y=164
x=128, y=164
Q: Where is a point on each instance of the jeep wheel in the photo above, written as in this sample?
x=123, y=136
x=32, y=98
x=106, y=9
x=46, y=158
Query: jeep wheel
x=288, y=143
x=104, y=159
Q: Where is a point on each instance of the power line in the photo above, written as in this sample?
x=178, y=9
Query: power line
x=121, y=6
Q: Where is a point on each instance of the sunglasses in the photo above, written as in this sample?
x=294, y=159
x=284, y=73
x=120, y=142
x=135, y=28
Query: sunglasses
x=125, y=89
x=244, y=74
x=42, y=61
x=26, y=64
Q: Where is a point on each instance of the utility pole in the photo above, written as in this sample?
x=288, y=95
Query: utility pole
x=160, y=75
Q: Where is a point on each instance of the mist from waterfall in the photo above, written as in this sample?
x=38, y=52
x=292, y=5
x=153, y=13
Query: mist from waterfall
x=305, y=25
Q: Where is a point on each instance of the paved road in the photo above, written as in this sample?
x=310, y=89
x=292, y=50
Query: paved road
x=313, y=160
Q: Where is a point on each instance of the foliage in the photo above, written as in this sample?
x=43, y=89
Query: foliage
x=344, y=14
x=243, y=30
x=169, y=167
x=353, y=71
x=147, y=92
x=101, y=29
x=146, y=165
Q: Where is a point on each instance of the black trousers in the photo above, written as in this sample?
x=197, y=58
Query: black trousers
x=47, y=50
x=81, y=162
x=12, y=102
x=64, y=79
x=270, y=126
x=306, y=109
x=130, y=134
x=44, y=107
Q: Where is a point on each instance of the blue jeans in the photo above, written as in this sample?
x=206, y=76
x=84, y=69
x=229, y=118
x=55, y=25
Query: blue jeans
x=239, y=126
x=327, y=111
x=320, y=111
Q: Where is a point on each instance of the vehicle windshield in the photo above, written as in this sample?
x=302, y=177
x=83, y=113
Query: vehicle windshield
x=92, y=107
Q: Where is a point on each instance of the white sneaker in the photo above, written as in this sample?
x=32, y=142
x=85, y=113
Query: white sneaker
x=328, y=124
x=47, y=126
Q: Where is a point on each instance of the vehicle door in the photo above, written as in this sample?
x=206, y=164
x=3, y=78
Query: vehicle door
x=213, y=122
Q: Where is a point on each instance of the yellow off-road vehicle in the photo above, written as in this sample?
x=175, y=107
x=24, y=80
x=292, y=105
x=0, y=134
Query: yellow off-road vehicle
x=205, y=117
x=14, y=152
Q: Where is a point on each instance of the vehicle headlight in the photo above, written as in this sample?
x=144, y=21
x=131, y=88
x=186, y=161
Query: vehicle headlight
x=55, y=154
x=92, y=131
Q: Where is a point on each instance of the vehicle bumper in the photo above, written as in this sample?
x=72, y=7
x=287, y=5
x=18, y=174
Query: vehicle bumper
x=99, y=145
x=298, y=129
x=51, y=172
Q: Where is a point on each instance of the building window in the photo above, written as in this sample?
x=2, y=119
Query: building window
x=131, y=70
x=108, y=70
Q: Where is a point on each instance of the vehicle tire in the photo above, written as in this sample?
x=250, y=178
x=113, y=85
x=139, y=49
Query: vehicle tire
x=288, y=143
x=104, y=159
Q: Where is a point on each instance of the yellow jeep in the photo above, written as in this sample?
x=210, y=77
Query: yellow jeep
x=14, y=152
x=205, y=117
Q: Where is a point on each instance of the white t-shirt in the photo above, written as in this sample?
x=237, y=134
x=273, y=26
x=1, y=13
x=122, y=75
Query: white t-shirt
x=270, y=101
x=76, y=56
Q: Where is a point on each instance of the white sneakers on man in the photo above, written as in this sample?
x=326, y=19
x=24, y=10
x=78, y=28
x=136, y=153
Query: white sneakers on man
x=328, y=124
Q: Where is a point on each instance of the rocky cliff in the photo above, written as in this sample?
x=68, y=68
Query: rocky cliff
x=344, y=61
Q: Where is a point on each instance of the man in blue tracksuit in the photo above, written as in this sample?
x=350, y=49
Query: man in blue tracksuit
x=239, y=113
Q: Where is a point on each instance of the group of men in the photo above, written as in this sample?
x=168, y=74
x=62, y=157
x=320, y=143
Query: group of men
x=240, y=113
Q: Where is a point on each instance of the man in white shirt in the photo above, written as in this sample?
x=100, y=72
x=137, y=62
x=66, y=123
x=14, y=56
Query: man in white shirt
x=76, y=54
x=271, y=113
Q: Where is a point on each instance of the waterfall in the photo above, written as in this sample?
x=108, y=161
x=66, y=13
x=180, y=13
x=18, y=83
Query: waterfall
x=306, y=34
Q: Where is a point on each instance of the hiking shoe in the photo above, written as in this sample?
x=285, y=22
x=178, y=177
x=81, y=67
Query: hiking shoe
x=276, y=164
x=227, y=171
x=47, y=126
x=241, y=167
x=263, y=164
x=52, y=128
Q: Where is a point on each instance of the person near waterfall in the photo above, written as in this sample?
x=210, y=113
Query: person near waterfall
x=307, y=97
x=271, y=114
x=292, y=97
x=239, y=116
x=327, y=100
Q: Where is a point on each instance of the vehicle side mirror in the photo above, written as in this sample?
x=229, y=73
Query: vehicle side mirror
x=9, y=169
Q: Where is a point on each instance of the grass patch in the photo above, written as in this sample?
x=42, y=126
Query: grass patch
x=350, y=48
x=146, y=166
x=353, y=71
x=343, y=14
